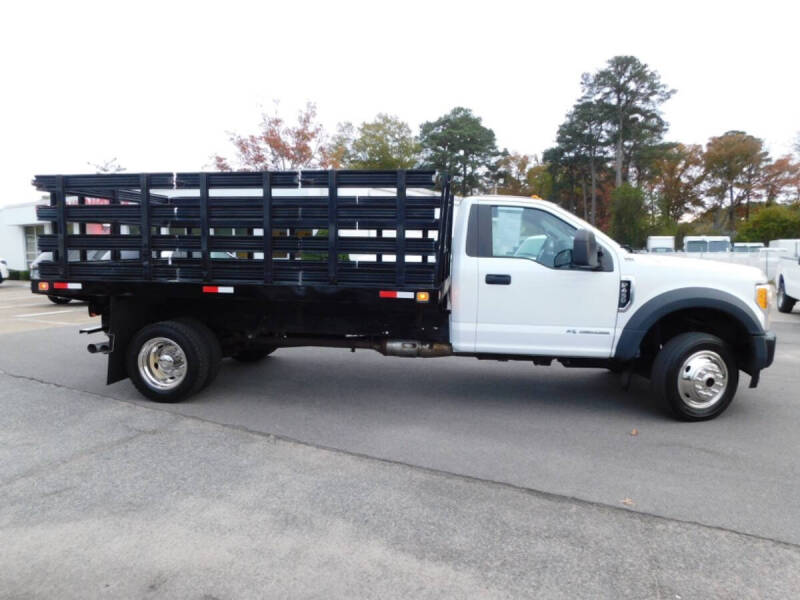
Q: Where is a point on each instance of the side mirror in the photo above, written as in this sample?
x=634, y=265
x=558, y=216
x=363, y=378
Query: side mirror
x=584, y=249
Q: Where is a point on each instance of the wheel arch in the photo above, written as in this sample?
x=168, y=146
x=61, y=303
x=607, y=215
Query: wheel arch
x=689, y=309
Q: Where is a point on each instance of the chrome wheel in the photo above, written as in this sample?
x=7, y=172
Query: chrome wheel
x=162, y=363
x=703, y=379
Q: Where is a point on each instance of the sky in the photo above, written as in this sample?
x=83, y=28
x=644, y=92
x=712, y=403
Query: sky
x=158, y=85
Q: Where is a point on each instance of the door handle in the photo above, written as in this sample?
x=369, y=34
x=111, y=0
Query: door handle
x=494, y=279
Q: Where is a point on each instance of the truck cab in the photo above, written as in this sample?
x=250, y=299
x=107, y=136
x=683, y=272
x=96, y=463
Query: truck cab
x=661, y=243
x=747, y=247
x=701, y=244
x=595, y=303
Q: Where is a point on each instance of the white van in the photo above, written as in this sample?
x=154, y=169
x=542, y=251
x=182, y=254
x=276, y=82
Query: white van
x=747, y=247
x=706, y=243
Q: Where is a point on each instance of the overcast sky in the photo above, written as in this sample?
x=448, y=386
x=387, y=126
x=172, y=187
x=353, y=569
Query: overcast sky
x=159, y=84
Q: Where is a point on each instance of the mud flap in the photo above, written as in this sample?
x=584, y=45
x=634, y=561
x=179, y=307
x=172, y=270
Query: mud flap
x=126, y=317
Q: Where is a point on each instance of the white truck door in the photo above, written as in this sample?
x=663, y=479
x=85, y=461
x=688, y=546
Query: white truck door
x=528, y=306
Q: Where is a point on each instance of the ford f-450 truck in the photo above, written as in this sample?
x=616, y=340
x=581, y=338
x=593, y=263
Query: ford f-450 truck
x=202, y=266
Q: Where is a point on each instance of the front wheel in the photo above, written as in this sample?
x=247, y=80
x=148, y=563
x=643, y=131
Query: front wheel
x=168, y=361
x=695, y=375
x=785, y=303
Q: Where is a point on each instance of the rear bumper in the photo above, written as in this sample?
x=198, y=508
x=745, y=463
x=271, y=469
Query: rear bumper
x=761, y=356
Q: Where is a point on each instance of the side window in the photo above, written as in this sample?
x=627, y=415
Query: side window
x=528, y=233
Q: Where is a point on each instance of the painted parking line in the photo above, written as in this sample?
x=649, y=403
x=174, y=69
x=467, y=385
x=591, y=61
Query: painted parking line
x=48, y=322
x=40, y=303
x=42, y=314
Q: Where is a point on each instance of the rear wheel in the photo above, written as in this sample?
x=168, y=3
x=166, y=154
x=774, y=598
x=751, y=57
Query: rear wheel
x=168, y=361
x=696, y=376
x=785, y=303
x=213, y=345
x=59, y=300
x=254, y=353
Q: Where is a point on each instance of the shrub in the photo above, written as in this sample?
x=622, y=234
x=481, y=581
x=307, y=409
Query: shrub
x=771, y=223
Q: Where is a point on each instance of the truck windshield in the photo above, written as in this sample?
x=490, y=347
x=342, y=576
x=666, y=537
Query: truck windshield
x=696, y=246
x=719, y=246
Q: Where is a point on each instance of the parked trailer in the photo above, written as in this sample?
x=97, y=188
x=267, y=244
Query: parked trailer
x=661, y=243
x=206, y=265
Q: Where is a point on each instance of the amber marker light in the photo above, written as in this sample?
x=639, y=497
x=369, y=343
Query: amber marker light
x=762, y=296
x=423, y=296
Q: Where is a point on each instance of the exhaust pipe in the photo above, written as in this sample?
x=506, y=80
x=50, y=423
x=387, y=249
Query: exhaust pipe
x=414, y=348
x=103, y=347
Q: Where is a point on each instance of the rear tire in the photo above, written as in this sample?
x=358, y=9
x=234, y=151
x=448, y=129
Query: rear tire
x=168, y=361
x=695, y=375
x=785, y=303
x=59, y=300
x=214, y=348
x=254, y=353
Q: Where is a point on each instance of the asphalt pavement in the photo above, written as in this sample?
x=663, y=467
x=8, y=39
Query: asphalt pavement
x=372, y=475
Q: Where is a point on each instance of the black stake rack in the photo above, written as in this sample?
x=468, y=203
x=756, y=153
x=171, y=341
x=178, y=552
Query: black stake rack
x=324, y=229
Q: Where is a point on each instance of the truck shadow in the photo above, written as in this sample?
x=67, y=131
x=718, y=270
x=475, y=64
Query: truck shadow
x=337, y=381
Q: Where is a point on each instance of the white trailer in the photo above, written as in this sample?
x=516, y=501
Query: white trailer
x=661, y=243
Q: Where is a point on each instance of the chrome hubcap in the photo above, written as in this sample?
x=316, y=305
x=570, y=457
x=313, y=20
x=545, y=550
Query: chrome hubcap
x=162, y=363
x=703, y=379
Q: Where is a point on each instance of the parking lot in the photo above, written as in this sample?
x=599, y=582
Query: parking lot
x=355, y=475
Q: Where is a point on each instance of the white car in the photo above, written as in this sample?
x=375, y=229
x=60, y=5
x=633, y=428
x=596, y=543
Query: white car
x=3, y=270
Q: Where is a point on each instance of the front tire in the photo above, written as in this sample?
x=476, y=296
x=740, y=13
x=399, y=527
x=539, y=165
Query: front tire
x=696, y=376
x=168, y=361
x=785, y=303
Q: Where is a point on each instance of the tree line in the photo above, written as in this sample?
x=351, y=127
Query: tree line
x=611, y=163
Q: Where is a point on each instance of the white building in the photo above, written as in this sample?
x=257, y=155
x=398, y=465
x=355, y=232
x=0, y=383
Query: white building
x=19, y=229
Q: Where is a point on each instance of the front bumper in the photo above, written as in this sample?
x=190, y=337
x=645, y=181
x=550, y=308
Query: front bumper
x=761, y=356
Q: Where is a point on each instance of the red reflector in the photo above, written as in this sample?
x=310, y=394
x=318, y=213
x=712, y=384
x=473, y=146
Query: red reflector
x=60, y=285
x=209, y=289
x=385, y=294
